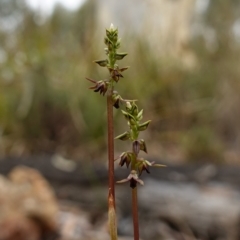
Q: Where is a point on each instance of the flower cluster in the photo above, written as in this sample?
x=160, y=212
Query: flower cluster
x=138, y=165
x=112, y=43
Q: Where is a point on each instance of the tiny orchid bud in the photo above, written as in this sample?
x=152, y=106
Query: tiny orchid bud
x=143, y=165
x=125, y=158
x=112, y=34
x=116, y=99
x=111, y=27
x=116, y=72
x=134, y=109
x=136, y=147
x=100, y=86
x=116, y=104
x=128, y=106
x=108, y=42
x=106, y=51
x=143, y=146
x=118, y=43
x=128, y=116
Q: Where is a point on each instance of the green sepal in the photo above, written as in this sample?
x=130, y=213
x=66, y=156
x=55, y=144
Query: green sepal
x=118, y=43
x=108, y=42
x=158, y=165
x=102, y=63
x=120, y=56
x=108, y=32
x=124, y=136
x=132, y=108
x=128, y=106
x=143, y=126
x=140, y=115
x=106, y=50
x=129, y=117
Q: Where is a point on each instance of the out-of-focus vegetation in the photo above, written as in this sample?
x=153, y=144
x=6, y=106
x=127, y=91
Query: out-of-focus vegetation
x=45, y=105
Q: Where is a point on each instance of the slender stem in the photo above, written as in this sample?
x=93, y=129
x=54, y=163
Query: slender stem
x=135, y=213
x=111, y=181
x=135, y=203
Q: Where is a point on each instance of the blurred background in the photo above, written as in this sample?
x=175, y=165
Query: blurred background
x=184, y=70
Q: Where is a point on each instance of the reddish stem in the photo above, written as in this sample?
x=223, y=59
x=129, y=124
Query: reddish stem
x=135, y=213
x=111, y=180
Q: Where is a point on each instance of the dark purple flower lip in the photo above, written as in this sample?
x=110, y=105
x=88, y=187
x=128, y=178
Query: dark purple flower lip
x=133, y=179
